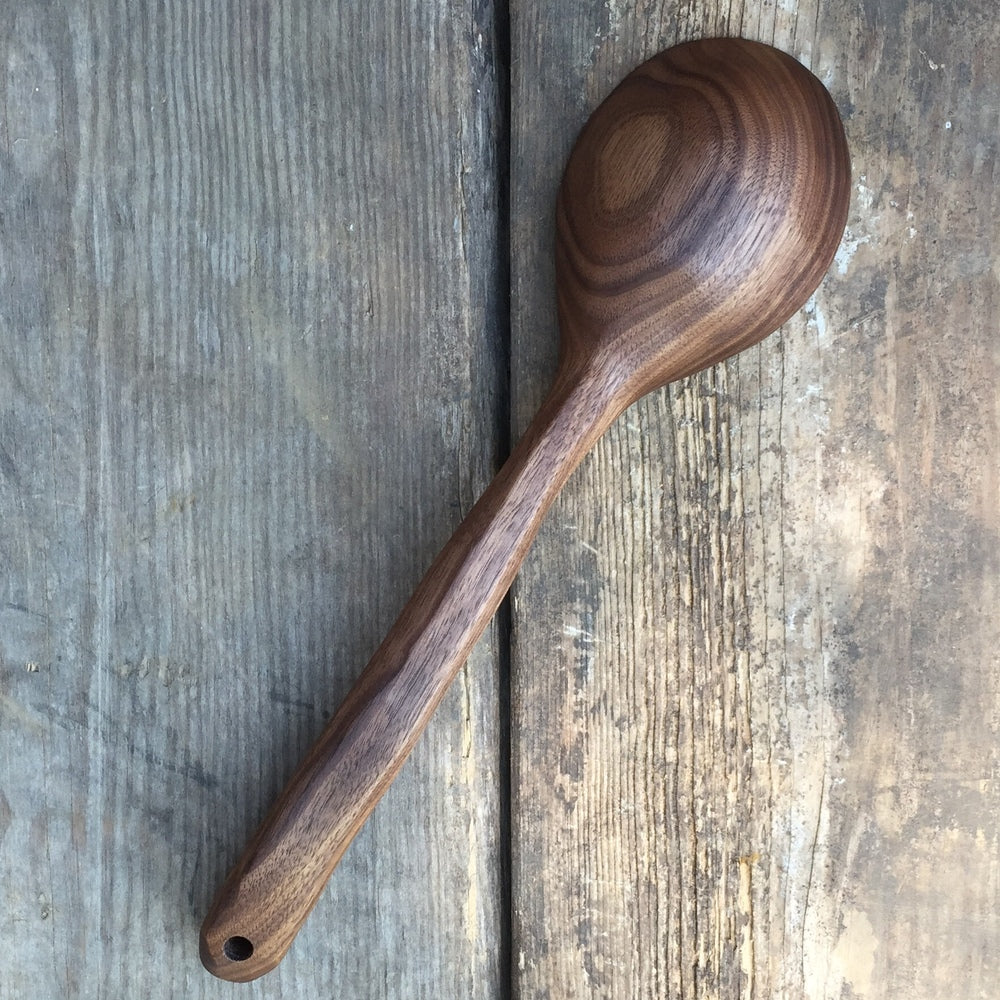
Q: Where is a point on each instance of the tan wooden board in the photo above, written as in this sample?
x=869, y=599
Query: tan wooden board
x=755, y=672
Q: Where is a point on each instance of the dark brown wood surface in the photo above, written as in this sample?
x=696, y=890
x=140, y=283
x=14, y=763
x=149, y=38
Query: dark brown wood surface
x=252, y=374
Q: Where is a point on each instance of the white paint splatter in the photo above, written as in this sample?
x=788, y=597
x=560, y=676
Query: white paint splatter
x=853, y=239
x=615, y=15
x=815, y=317
x=849, y=246
x=866, y=196
x=930, y=62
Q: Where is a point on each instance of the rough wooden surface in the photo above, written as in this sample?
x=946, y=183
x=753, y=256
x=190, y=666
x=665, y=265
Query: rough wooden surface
x=755, y=683
x=248, y=385
x=756, y=690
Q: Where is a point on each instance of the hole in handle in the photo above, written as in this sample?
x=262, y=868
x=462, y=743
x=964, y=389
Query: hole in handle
x=237, y=949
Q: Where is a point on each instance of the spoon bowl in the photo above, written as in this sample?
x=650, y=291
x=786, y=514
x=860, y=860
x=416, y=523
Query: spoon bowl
x=700, y=207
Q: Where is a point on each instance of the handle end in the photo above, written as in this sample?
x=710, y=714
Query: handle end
x=232, y=958
x=240, y=941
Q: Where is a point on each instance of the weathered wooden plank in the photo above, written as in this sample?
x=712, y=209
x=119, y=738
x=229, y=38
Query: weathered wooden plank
x=754, y=674
x=248, y=362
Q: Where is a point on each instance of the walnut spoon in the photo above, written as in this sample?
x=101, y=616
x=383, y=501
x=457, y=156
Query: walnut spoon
x=700, y=207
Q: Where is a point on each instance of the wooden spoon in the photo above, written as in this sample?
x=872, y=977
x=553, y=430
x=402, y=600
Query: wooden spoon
x=700, y=207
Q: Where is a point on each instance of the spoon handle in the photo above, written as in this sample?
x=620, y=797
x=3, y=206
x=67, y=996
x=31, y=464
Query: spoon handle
x=282, y=872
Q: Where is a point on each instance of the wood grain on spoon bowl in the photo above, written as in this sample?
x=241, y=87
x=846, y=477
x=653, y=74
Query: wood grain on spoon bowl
x=701, y=205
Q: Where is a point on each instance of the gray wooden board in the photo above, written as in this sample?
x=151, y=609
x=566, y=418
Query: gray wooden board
x=756, y=686
x=252, y=368
x=248, y=384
